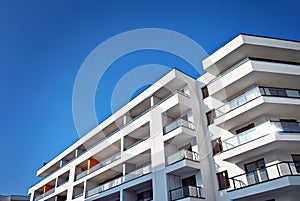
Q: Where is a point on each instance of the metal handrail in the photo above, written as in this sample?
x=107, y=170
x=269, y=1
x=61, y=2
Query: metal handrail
x=270, y=172
x=186, y=191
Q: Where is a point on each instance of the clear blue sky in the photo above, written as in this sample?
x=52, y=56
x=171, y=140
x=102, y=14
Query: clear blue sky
x=43, y=44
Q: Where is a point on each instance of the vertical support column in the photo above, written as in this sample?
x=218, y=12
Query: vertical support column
x=154, y=100
x=70, y=188
x=159, y=183
x=32, y=196
x=126, y=119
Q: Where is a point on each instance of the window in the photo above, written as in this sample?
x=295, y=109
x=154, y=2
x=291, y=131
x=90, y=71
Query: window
x=290, y=125
x=205, y=93
x=210, y=117
x=296, y=160
x=256, y=172
x=277, y=92
x=217, y=146
x=189, y=181
x=245, y=128
x=223, y=180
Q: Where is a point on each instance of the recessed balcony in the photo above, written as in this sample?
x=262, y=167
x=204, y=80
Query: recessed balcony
x=182, y=155
x=281, y=175
x=256, y=102
x=179, y=132
x=99, y=165
x=116, y=182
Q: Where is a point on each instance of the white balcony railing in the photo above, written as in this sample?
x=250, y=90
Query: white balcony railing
x=116, y=182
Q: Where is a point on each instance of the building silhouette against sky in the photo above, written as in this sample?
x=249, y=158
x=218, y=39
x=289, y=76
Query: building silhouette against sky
x=231, y=134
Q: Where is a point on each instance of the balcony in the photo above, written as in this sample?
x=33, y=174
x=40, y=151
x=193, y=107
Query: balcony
x=282, y=175
x=251, y=70
x=256, y=102
x=260, y=137
x=178, y=123
x=186, y=192
x=58, y=166
x=116, y=182
x=179, y=132
x=181, y=155
x=44, y=194
x=99, y=165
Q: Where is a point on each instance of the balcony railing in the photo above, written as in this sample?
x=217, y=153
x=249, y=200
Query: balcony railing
x=178, y=123
x=266, y=174
x=112, y=133
x=182, y=154
x=186, y=191
x=253, y=94
x=116, y=182
x=44, y=194
x=136, y=143
x=260, y=131
x=99, y=165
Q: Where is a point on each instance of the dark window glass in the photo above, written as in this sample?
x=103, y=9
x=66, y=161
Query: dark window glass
x=223, y=180
x=205, y=93
x=217, y=146
x=290, y=125
x=210, y=117
x=189, y=181
x=296, y=160
x=277, y=92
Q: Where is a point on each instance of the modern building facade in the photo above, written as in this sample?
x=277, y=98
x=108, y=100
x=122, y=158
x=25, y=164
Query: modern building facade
x=231, y=134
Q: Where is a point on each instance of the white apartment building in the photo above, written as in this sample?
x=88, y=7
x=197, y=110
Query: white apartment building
x=231, y=134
